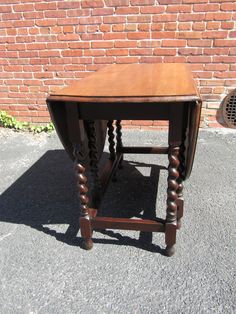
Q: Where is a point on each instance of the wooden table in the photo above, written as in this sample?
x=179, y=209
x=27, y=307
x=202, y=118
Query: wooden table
x=83, y=111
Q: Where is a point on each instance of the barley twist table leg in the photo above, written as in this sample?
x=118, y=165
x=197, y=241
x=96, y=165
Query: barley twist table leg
x=119, y=139
x=180, y=202
x=93, y=153
x=111, y=141
x=85, y=225
x=172, y=196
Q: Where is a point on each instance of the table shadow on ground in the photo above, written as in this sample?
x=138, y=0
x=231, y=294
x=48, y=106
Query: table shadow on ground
x=46, y=195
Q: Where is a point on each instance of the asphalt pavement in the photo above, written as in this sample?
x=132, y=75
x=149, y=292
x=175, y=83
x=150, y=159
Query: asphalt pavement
x=43, y=268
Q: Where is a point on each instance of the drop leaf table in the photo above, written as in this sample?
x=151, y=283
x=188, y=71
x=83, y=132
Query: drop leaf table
x=88, y=109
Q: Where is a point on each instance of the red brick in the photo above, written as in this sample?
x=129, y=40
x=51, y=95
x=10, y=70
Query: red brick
x=224, y=43
x=70, y=21
x=225, y=74
x=168, y=2
x=221, y=16
x=92, y=4
x=114, y=19
x=12, y=68
x=174, y=59
x=138, y=35
x=190, y=51
x=190, y=35
x=199, y=26
x=152, y=59
x=54, y=14
x=165, y=18
x=71, y=53
x=144, y=27
x=142, y=122
x=94, y=52
x=213, y=25
x=23, y=7
x=126, y=11
x=25, y=39
x=5, y=9
x=90, y=20
x=11, y=16
x=6, y=24
x=152, y=10
x=46, y=23
x=232, y=51
x=92, y=28
x=92, y=37
x=68, y=37
x=69, y=5
x=140, y=52
x=16, y=47
x=199, y=43
x=117, y=52
x=102, y=11
x=232, y=34
x=112, y=36
x=191, y=17
x=124, y=44
x=170, y=26
x=118, y=27
x=102, y=44
x=173, y=43
x=164, y=52
x=206, y=7
x=178, y=9
x=105, y=28
x=124, y=60
x=35, y=46
x=149, y=43
x=195, y=1
x=80, y=29
x=139, y=19
x=216, y=34
x=227, y=25
x=182, y=26
x=12, y=32
x=33, y=15
x=216, y=67
x=117, y=3
x=131, y=27
x=199, y=59
x=105, y=60
x=74, y=67
x=142, y=2
x=228, y=7
x=160, y=35
x=45, y=6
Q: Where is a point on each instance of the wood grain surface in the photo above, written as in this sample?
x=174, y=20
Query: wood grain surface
x=134, y=80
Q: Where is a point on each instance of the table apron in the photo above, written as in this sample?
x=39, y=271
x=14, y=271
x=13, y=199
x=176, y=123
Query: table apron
x=123, y=111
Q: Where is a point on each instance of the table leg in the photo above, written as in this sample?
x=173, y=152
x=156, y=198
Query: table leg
x=111, y=141
x=119, y=144
x=180, y=202
x=93, y=154
x=112, y=144
x=172, y=196
x=85, y=224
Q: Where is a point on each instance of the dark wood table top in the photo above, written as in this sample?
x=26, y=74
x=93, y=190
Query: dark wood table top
x=134, y=83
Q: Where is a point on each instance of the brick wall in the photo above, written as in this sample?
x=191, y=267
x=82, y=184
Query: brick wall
x=46, y=44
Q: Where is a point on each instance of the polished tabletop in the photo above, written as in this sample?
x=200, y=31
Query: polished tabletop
x=134, y=80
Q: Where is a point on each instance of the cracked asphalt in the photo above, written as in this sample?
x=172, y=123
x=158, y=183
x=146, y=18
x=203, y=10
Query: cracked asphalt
x=44, y=270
